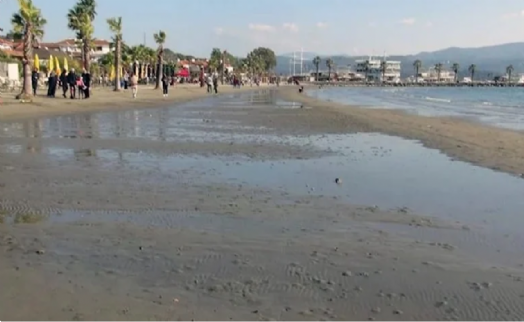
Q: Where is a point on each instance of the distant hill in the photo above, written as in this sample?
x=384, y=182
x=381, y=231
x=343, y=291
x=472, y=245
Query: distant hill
x=489, y=60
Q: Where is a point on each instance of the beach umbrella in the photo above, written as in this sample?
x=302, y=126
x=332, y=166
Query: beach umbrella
x=50, y=66
x=57, y=66
x=112, y=73
x=66, y=67
x=37, y=62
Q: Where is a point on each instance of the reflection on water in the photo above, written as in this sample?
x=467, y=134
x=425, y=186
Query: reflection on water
x=375, y=169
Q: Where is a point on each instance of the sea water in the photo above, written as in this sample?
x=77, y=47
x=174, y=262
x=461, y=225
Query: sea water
x=497, y=106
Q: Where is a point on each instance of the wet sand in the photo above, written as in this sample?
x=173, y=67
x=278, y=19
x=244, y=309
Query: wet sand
x=487, y=146
x=102, y=98
x=224, y=210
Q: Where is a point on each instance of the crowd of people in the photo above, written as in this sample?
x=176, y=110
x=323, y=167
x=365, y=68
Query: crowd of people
x=72, y=84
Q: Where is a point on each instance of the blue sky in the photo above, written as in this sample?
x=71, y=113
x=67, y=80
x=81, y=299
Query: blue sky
x=328, y=27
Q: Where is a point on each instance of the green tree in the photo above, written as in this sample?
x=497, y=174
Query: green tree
x=28, y=25
x=160, y=39
x=266, y=57
x=316, y=62
x=438, y=69
x=417, y=65
x=455, y=67
x=329, y=65
x=115, y=25
x=472, y=69
x=80, y=19
x=509, y=71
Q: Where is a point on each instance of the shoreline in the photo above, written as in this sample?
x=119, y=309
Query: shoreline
x=213, y=211
x=105, y=99
x=480, y=144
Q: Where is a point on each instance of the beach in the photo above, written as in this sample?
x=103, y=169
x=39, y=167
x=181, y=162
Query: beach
x=259, y=204
x=488, y=146
x=102, y=98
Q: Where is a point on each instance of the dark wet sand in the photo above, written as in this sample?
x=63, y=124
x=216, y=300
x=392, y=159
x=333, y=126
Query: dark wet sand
x=492, y=147
x=93, y=231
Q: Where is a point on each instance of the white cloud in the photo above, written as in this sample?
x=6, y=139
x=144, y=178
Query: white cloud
x=513, y=15
x=219, y=31
x=429, y=24
x=321, y=25
x=261, y=27
x=290, y=26
x=408, y=21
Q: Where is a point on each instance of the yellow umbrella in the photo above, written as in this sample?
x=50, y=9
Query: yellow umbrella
x=37, y=62
x=57, y=66
x=66, y=67
x=112, y=73
x=50, y=66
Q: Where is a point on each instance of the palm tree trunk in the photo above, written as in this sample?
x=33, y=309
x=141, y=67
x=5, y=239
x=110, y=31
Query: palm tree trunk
x=28, y=56
x=316, y=75
x=329, y=74
x=86, y=57
x=118, y=57
x=158, y=72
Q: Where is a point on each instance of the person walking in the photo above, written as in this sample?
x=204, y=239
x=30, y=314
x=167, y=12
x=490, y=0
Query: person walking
x=215, y=83
x=63, y=83
x=34, y=80
x=126, y=80
x=86, y=77
x=71, y=80
x=133, y=82
x=165, y=85
x=209, y=83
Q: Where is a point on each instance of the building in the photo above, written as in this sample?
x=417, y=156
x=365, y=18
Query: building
x=71, y=47
x=68, y=47
x=431, y=75
x=373, y=69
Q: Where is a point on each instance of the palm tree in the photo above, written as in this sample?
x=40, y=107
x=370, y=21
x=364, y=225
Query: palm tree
x=438, y=69
x=367, y=69
x=509, y=71
x=417, y=65
x=28, y=25
x=316, y=62
x=80, y=19
x=455, y=67
x=115, y=25
x=329, y=64
x=472, y=68
x=160, y=39
x=383, y=68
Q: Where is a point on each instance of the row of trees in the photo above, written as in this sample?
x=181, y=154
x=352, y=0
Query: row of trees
x=29, y=25
x=417, y=65
x=455, y=67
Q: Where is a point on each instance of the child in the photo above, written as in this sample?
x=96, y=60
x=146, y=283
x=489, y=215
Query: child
x=81, y=87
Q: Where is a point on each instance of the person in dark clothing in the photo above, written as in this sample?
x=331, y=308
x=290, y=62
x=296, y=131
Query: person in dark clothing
x=215, y=83
x=71, y=81
x=86, y=77
x=51, y=84
x=34, y=81
x=63, y=83
x=165, y=85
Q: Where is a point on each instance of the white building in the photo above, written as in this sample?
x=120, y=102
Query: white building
x=432, y=75
x=100, y=47
x=373, y=68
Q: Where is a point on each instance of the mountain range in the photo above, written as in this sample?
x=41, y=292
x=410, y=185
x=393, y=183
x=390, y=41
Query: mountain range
x=490, y=60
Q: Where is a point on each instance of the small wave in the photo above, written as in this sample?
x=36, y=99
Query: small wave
x=487, y=103
x=438, y=99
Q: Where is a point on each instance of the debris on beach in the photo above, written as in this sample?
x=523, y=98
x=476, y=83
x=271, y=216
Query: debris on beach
x=338, y=181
